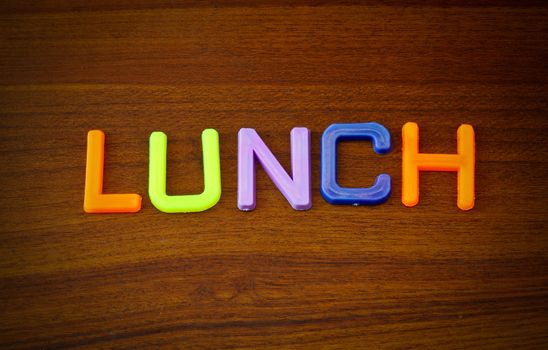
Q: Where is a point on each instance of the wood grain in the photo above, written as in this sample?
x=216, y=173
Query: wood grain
x=334, y=277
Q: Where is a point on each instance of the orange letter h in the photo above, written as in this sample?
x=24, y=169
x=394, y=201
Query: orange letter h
x=463, y=163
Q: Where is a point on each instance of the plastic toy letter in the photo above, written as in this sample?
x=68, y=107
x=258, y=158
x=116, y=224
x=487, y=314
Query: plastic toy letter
x=330, y=189
x=463, y=162
x=94, y=199
x=157, y=176
x=296, y=189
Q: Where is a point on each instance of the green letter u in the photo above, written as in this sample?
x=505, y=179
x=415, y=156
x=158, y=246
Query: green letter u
x=157, y=176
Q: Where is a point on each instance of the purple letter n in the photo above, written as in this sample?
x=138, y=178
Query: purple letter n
x=295, y=189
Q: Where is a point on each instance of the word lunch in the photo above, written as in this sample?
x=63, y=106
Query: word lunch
x=296, y=188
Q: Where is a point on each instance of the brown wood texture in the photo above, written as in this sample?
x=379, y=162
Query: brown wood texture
x=334, y=277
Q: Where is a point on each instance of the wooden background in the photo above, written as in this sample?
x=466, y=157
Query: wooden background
x=334, y=277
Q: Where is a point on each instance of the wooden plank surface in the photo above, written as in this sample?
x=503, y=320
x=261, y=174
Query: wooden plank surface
x=334, y=277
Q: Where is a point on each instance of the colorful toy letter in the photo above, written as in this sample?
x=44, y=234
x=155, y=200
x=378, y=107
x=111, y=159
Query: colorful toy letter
x=157, y=176
x=463, y=162
x=94, y=199
x=330, y=189
x=295, y=189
